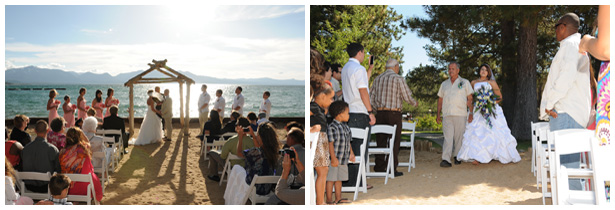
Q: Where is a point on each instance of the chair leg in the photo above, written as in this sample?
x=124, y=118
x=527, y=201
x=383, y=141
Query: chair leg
x=358, y=184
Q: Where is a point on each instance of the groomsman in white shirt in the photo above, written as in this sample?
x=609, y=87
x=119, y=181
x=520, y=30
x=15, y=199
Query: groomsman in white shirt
x=265, y=105
x=238, y=102
x=204, y=106
x=220, y=103
x=566, y=99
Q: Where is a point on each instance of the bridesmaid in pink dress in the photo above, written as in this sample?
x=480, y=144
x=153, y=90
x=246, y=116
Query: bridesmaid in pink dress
x=98, y=105
x=110, y=101
x=81, y=108
x=69, y=112
x=53, y=104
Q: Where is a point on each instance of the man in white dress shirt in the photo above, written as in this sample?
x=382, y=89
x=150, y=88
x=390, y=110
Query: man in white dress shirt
x=336, y=76
x=265, y=105
x=204, y=106
x=238, y=102
x=566, y=98
x=220, y=103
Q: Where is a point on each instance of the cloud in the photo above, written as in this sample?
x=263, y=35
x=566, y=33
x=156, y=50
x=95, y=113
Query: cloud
x=221, y=57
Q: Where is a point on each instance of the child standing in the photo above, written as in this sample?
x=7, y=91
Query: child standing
x=58, y=188
x=266, y=104
x=320, y=101
x=339, y=150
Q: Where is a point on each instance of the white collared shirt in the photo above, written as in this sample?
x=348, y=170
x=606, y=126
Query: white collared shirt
x=455, y=97
x=354, y=77
x=219, y=104
x=204, y=99
x=265, y=106
x=238, y=101
x=568, y=87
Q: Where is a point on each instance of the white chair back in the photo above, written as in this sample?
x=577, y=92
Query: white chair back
x=411, y=160
x=601, y=157
x=91, y=193
x=255, y=198
x=569, y=141
x=359, y=159
x=21, y=176
x=313, y=144
x=228, y=166
x=390, y=130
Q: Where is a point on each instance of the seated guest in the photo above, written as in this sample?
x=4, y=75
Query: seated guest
x=40, y=156
x=253, y=120
x=286, y=193
x=293, y=124
x=217, y=158
x=230, y=126
x=11, y=196
x=115, y=122
x=19, y=131
x=79, y=123
x=58, y=189
x=262, y=159
x=96, y=142
x=262, y=117
x=212, y=127
x=56, y=135
x=12, y=150
x=76, y=158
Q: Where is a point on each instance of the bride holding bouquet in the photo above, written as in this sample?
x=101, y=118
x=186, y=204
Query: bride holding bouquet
x=487, y=137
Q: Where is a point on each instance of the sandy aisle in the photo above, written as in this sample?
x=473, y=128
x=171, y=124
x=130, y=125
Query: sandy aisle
x=429, y=184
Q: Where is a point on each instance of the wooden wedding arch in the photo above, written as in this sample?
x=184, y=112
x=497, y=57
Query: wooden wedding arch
x=173, y=76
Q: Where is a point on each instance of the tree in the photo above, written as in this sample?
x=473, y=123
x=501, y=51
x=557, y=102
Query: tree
x=332, y=28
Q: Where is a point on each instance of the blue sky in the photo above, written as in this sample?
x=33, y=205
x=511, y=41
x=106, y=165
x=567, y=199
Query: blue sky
x=219, y=41
x=414, y=54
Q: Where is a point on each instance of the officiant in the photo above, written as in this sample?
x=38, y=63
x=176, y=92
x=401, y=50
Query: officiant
x=167, y=116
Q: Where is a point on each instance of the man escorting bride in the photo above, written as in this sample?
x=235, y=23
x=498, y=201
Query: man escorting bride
x=151, y=127
x=487, y=136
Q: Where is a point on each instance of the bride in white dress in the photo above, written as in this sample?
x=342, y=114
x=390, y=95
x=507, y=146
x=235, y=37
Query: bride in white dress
x=151, y=127
x=482, y=143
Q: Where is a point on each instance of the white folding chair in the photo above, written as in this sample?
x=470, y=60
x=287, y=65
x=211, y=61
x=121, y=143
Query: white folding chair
x=111, y=150
x=205, y=144
x=313, y=143
x=383, y=129
x=601, y=155
x=34, y=176
x=228, y=166
x=91, y=193
x=570, y=141
x=119, y=144
x=535, y=141
x=411, y=128
x=256, y=198
x=361, y=177
x=103, y=169
x=216, y=145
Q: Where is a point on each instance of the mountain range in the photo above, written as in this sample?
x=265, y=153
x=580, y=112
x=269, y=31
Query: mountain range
x=36, y=75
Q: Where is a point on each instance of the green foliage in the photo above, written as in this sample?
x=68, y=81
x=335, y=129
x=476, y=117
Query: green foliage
x=428, y=122
x=424, y=82
x=332, y=28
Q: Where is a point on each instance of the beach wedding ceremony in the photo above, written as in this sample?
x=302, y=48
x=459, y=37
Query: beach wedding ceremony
x=185, y=104
x=460, y=105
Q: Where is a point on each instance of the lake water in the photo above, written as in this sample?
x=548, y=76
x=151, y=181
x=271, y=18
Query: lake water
x=287, y=101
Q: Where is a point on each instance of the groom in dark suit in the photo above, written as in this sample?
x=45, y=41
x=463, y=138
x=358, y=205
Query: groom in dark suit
x=115, y=122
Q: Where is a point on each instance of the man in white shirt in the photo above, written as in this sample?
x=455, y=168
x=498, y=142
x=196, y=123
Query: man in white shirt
x=265, y=105
x=238, y=102
x=455, y=94
x=566, y=98
x=355, y=86
x=204, y=106
x=336, y=76
x=220, y=103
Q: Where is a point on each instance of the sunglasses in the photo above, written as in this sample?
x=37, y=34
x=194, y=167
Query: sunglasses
x=556, y=25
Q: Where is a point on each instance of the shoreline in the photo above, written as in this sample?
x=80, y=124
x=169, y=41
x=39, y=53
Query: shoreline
x=138, y=120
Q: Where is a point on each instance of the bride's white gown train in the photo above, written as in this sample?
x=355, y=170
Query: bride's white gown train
x=151, y=129
x=484, y=144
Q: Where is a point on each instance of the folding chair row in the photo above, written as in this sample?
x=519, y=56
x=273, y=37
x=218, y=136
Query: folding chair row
x=38, y=176
x=255, y=198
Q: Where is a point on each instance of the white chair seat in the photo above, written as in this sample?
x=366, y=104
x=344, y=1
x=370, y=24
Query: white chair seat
x=378, y=151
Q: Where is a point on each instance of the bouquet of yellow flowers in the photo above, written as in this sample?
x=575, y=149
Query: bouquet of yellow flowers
x=484, y=102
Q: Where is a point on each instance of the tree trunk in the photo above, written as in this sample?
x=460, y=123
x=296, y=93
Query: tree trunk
x=525, y=102
x=509, y=69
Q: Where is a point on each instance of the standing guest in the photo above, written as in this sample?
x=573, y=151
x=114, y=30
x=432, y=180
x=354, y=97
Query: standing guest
x=230, y=126
x=203, y=106
x=96, y=142
x=11, y=196
x=58, y=189
x=110, y=101
x=339, y=150
x=167, y=115
x=261, y=159
x=566, y=98
x=238, y=102
x=216, y=158
x=599, y=48
x=322, y=98
x=56, y=135
x=69, y=112
x=52, y=105
x=115, y=122
x=266, y=104
x=19, y=131
x=76, y=158
x=387, y=95
x=336, y=76
x=40, y=156
x=159, y=105
x=220, y=103
x=81, y=107
x=455, y=94
x=355, y=84
x=212, y=127
x=12, y=150
x=98, y=105
x=253, y=120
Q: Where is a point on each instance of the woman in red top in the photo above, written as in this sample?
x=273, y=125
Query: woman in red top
x=12, y=149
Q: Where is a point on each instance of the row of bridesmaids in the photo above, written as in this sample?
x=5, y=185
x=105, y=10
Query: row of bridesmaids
x=69, y=108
